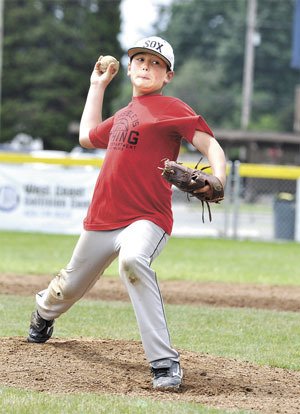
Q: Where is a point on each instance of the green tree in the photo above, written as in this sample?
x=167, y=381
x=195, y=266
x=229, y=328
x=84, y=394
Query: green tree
x=209, y=35
x=50, y=48
x=274, y=77
x=203, y=92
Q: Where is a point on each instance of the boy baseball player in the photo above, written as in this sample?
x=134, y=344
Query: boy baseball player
x=130, y=214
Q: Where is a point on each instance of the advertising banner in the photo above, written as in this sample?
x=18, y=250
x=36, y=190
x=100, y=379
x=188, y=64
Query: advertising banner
x=48, y=199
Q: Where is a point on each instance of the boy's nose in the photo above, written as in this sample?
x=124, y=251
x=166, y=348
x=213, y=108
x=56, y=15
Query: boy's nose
x=145, y=66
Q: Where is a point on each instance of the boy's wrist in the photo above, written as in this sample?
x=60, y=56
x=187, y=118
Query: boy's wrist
x=99, y=84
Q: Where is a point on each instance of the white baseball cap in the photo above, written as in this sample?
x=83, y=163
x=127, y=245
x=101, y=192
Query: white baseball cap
x=155, y=45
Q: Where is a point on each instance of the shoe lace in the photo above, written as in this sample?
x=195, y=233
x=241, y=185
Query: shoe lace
x=160, y=372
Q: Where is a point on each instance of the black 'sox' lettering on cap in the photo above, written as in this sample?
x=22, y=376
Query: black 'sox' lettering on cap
x=155, y=45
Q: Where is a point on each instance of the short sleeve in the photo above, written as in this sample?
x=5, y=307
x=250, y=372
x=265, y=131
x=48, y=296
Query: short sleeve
x=99, y=135
x=183, y=121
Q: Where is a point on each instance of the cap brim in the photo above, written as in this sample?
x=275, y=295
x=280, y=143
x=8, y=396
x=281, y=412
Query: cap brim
x=135, y=50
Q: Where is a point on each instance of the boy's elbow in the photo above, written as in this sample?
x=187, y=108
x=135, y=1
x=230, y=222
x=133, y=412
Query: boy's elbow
x=85, y=142
x=84, y=138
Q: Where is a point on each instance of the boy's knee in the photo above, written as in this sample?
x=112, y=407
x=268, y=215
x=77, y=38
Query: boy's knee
x=60, y=287
x=129, y=268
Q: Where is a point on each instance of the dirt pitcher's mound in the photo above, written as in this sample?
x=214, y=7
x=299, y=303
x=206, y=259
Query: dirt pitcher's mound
x=283, y=298
x=119, y=367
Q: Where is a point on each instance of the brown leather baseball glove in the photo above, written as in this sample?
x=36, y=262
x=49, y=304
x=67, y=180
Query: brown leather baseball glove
x=188, y=180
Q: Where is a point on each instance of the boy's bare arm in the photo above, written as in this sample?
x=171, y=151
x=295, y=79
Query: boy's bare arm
x=210, y=148
x=92, y=113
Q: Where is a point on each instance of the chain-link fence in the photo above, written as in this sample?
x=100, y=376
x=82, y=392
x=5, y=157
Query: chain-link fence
x=260, y=200
x=258, y=205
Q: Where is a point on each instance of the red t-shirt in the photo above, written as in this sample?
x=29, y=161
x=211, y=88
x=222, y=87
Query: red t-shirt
x=138, y=137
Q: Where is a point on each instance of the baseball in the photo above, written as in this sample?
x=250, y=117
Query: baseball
x=106, y=60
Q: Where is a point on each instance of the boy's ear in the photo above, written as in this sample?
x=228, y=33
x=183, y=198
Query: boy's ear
x=128, y=69
x=169, y=76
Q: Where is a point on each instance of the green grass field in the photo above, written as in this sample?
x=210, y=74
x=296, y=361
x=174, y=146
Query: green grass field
x=263, y=337
x=21, y=402
x=196, y=259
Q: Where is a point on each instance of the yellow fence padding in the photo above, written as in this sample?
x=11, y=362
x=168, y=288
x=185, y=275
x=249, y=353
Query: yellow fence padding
x=21, y=158
x=285, y=172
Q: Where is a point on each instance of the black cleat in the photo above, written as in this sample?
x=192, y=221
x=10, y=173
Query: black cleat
x=40, y=330
x=167, y=374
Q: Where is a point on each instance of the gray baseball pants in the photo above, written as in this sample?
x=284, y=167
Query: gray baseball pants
x=136, y=245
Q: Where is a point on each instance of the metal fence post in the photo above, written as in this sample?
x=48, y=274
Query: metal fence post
x=227, y=198
x=236, y=197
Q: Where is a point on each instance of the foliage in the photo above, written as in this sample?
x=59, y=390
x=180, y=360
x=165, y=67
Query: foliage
x=50, y=47
x=209, y=37
x=213, y=32
x=203, y=93
x=125, y=94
